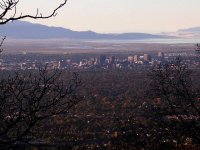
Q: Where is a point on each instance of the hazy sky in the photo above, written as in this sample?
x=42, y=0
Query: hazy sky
x=120, y=15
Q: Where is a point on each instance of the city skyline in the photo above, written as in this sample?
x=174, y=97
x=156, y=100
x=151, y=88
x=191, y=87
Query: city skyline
x=109, y=16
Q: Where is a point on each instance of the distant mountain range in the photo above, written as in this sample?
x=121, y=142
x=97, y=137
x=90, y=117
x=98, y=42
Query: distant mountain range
x=194, y=30
x=185, y=33
x=27, y=30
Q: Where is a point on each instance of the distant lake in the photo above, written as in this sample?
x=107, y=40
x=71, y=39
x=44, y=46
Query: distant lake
x=158, y=41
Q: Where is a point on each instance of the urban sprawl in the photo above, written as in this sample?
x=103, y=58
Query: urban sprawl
x=33, y=61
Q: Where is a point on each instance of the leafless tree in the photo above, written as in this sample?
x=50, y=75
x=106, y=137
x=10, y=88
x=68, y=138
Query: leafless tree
x=9, y=9
x=27, y=99
x=9, y=12
x=172, y=83
x=1, y=43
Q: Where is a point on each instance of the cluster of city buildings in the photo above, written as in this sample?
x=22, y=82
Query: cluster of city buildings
x=33, y=61
x=128, y=62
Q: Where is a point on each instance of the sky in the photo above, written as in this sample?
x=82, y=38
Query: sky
x=118, y=16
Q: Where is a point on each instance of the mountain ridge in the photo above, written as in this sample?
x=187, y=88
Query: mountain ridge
x=27, y=30
x=192, y=29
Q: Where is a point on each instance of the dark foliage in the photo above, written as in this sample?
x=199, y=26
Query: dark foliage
x=179, y=103
x=27, y=99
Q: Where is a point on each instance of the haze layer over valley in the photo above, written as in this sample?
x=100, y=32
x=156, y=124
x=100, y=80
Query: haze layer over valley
x=36, y=38
x=58, y=46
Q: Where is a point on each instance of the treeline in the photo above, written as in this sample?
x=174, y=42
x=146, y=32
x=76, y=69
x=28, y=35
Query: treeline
x=119, y=109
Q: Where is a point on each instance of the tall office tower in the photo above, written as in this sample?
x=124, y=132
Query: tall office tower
x=130, y=58
x=161, y=55
x=147, y=57
x=112, y=59
x=136, y=58
x=102, y=59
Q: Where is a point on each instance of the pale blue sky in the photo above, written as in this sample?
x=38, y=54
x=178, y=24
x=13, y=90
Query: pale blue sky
x=120, y=15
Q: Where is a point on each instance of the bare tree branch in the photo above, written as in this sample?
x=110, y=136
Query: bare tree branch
x=10, y=5
x=173, y=84
x=1, y=43
x=28, y=99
